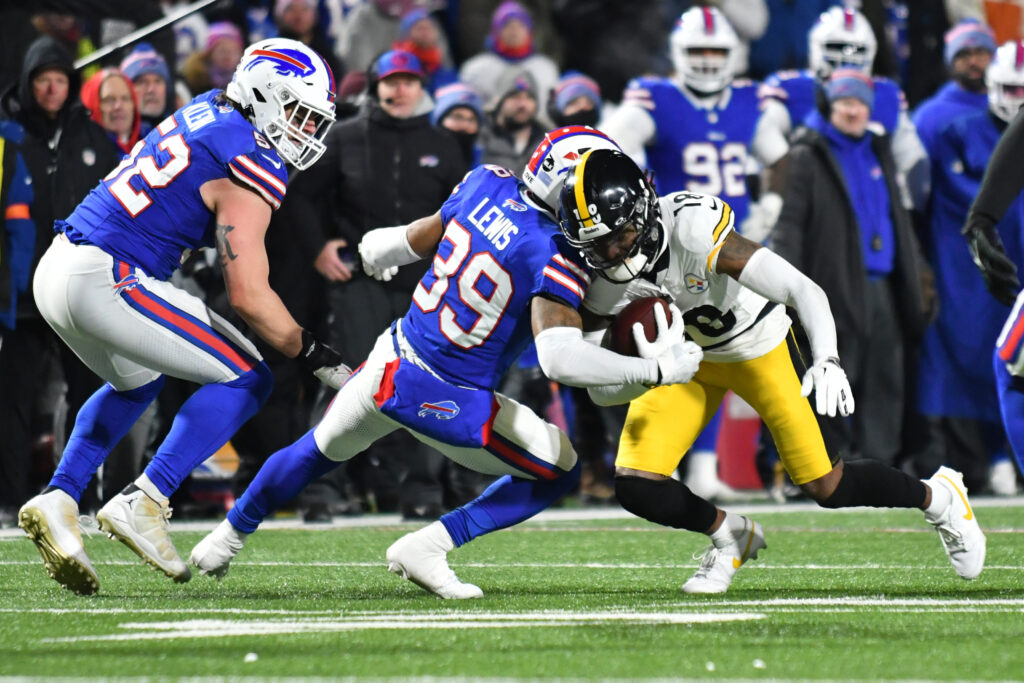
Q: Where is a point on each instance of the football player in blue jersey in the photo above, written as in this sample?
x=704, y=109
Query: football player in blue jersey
x=841, y=38
x=969, y=47
x=695, y=131
x=502, y=274
x=211, y=173
x=956, y=383
x=1000, y=188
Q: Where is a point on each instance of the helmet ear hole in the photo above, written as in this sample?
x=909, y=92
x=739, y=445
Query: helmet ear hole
x=258, y=96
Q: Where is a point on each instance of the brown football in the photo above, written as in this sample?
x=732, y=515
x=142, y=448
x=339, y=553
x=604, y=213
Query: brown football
x=619, y=337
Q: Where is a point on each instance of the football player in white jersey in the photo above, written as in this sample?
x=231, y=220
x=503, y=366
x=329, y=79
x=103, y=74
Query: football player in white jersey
x=729, y=295
x=694, y=131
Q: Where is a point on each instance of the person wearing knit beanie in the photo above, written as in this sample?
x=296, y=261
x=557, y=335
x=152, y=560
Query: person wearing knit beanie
x=846, y=83
x=457, y=109
x=576, y=101
x=420, y=35
x=969, y=49
x=148, y=72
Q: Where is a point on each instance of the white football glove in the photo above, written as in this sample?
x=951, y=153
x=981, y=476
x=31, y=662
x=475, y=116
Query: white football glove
x=333, y=376
x=761, y=217
x=832, y=393
x=678, y=359
x=385, y=249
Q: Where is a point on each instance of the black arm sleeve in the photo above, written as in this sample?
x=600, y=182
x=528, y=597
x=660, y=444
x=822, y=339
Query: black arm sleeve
x=1003, y=179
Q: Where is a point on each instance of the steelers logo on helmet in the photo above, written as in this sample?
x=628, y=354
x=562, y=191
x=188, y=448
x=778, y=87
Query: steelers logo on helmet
x=609, y=211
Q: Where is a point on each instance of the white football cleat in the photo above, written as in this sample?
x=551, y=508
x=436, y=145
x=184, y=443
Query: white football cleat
x=719, y=565
x=140, y=523
x=212, y=556
x=422, y=557
x=51, y=521
x=957, y=525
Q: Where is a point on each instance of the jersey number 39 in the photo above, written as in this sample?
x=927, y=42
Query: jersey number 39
x=487, y=307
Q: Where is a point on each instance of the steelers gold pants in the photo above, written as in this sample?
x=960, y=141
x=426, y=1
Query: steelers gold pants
x=664, y=422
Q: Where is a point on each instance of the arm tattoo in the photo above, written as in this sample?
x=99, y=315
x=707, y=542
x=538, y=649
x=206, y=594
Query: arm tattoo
x=547, y=313
x=224, y=250
x=736, y=251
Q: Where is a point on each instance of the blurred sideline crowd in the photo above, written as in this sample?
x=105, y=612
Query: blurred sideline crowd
x=862, y=179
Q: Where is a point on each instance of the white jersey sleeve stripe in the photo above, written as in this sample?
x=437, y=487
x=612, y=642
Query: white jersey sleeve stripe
x=267, y=197
x=563, y=280
x=572, y=268
x=260, y=173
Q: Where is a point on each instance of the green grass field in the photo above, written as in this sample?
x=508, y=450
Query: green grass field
x=862, y=595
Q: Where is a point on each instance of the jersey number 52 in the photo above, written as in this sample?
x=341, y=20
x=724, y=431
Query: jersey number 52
x=177, y=158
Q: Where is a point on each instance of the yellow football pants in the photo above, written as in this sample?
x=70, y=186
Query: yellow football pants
x=663, y=423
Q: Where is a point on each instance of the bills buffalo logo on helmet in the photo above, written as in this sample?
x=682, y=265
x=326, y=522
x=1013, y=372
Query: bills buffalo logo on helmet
x=286, y=62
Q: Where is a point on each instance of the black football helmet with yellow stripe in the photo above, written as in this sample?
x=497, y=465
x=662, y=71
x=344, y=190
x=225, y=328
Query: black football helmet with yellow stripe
x=609, y=211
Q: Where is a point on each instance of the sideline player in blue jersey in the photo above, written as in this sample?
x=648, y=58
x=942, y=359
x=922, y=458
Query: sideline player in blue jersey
x=969, y=48
x=955, y=380
x=696, y=132
x=841, y=38
x=211, y=172
x=502, y=273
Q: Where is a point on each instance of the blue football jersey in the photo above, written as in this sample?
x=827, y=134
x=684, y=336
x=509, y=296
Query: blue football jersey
x=696, y=149
x=956, y=377
x=950, y=102
x=148, y=210
x=470, y=316
x=796, y=90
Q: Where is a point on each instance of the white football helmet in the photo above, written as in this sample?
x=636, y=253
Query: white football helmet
x=1004, y=79
x=282, y=85
x=700, y=29
x=841, y=39
x=560, y=149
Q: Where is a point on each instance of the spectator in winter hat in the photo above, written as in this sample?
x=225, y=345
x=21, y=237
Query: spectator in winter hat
x=458, y=110
x=843, y=225
x=576, y=101
x=148, y=72
x=509, y=49
x=110, y=97
x=375, y=25
x=397, y=85
x=513, y=131
x=420, y=35
x=968, y=51
x=214, y=66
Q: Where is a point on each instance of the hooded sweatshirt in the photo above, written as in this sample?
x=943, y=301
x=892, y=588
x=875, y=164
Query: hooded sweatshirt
x=66, y=156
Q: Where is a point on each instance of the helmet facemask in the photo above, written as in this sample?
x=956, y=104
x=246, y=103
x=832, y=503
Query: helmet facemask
x=281, y=87
x=287, y=131
x=1004, y=80
x=620, y=243
x=841, y=39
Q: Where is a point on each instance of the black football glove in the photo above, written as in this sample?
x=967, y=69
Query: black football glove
x=323, y=361
x=998, y=271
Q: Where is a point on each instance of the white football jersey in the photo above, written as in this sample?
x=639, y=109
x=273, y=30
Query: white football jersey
x=730, y=322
